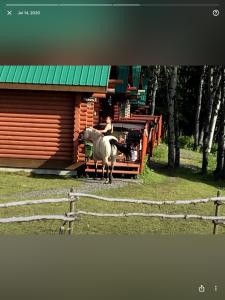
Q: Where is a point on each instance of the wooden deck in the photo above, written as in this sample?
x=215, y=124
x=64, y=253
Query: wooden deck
x=129, y=167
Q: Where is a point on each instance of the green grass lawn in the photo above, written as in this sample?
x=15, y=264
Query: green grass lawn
x=12, y=183
x=158, y=184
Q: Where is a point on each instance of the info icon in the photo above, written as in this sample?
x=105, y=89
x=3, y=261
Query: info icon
x=201, y=289
x=216, y=12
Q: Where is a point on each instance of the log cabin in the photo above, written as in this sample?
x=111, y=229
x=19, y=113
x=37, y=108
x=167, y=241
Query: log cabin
x=44, y=108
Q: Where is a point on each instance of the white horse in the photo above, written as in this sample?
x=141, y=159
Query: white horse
x=104, y=149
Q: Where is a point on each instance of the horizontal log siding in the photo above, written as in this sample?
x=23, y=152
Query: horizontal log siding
x=96, y=112
x=36, y=125
x=83, y=117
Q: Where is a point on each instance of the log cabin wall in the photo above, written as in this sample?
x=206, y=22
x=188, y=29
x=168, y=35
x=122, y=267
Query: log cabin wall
x=76, y=129
x=116, y=111
x=36, y=125
x=96, y=112
x=83, y=117
x=39, y=127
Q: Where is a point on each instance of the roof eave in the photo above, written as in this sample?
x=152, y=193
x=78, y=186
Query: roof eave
x=55, y=87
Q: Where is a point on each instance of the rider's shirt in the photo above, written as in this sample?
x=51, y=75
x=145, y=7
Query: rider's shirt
x=109, y=132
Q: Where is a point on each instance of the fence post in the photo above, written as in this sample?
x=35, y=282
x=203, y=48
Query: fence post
x=72, y=211
x=217, y=203
x=62, y=228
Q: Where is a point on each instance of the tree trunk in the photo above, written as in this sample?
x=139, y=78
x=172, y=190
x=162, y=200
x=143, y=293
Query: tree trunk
x=198, y=109
x=177, y=143
x=200, y=141
x=220, y=167
x=205, y=153
x=155, y=88
x=221, y=136
x=213, y=87
x=171, y=125
x=213, y=121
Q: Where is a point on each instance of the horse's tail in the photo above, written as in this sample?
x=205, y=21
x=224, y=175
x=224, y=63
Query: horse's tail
x=122, y=148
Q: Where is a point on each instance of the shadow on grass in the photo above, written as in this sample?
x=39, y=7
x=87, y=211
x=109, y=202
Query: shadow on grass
x=50, y=176
x=188, y=172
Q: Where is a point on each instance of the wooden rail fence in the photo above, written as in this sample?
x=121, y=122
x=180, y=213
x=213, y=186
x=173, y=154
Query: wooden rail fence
x=73, y=215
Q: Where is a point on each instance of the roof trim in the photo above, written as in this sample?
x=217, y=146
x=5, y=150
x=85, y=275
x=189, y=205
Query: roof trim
x=55, y=87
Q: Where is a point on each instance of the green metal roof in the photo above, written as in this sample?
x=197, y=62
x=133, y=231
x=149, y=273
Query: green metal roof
x=136, y=75
x=123, y=72
x=56, y=75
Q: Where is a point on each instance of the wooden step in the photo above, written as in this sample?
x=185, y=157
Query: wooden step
x=87, y=170
x=117, y=164
x=132, y=168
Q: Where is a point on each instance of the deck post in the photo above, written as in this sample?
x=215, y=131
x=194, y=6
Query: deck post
x=159, y=130
x=144, y=147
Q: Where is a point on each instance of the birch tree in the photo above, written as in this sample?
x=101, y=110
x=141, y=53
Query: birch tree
x=155, y=88
x=214, y=77
x=198, y=109
x=214, y=119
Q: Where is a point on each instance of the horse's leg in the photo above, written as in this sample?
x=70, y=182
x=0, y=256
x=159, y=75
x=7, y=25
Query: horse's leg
x=96, y=169
x=113, y=160
x=103, y=171
x=111, y=172
x=107, y=173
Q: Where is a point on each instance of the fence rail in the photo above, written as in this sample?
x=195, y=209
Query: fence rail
x=69, y=217
x=150, y=202
x=151, y=215
x=31, y=202
x=36, y=218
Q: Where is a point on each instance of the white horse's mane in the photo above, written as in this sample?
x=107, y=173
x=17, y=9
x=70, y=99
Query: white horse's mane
x=94, y=130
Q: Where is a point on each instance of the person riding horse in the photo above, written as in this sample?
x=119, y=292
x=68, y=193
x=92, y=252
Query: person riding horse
x=105, y=147
x=107, y=131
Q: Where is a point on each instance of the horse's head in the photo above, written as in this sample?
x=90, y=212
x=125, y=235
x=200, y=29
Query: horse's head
x=89, y=134
x=86, y=134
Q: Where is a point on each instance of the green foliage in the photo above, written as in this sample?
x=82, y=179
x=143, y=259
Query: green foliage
x=214, y=148
x=186, y=142
x=149, y=176
x=160, y=153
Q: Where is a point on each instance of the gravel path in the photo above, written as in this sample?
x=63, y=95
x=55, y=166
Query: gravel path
x=86, y=186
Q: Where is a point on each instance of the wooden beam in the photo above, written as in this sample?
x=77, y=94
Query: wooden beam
x=131, y=88
x=51, y=87
x=98, y=95
x=115, y=81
